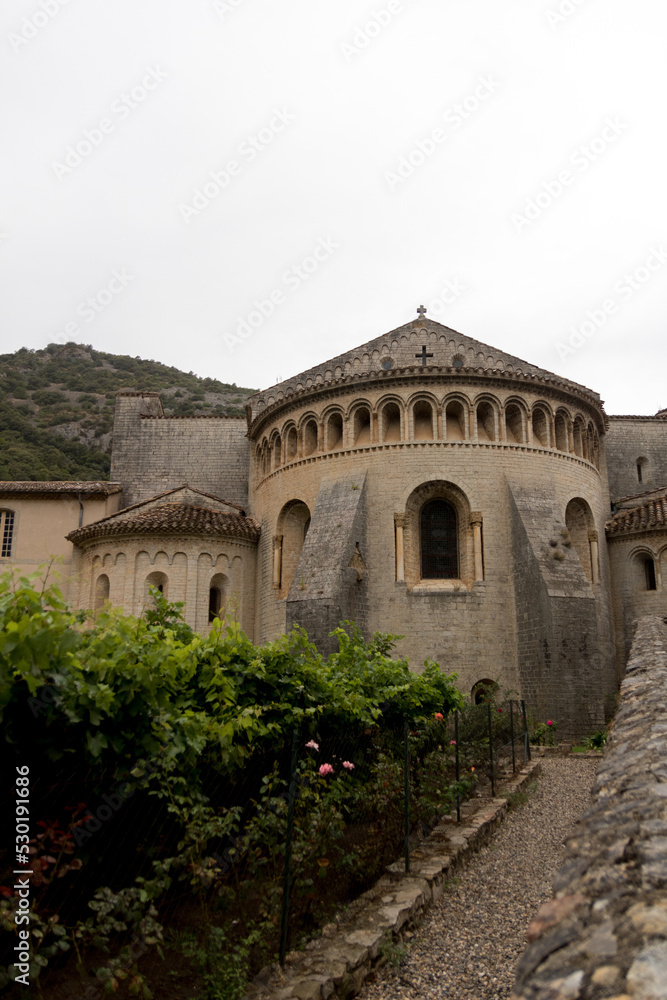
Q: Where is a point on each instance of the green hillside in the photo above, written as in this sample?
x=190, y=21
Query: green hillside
x=57, y=406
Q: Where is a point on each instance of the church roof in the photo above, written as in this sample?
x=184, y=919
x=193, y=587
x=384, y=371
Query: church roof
x=183, y=510
x=171, y=519
x=89, y=488
x=405, y=349
x=650, y=515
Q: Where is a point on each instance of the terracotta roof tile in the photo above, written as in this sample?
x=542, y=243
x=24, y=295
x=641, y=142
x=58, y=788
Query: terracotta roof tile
x=92, y=487
x=171, y=519
x=647, y=516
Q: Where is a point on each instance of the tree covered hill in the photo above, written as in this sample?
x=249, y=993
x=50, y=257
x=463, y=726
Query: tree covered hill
x=57, y=406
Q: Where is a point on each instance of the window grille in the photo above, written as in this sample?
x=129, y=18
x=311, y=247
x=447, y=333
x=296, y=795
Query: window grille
x=439, y=543
x=6, y=532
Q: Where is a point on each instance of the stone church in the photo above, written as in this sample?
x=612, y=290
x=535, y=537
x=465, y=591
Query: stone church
x=425, y=484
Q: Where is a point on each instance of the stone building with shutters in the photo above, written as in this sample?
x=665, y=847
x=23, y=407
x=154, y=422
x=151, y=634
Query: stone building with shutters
x=425, y=484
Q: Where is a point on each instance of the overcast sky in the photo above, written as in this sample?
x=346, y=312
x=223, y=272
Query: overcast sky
x=244, y=188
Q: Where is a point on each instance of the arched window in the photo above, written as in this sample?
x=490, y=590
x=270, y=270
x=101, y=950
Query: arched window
x=391, y=422
x=217, y=596
x=455, y=422
x=291, y=445
x=334, y=431
x=158, y=580
x=362, y=426
x=513, y=424
x=293, y=525
x=439, y=548
x=580, y=523
x=423, y=421
x=561, y=432
x=486, y=422
x=6, y=533
x=649, y=572
x=310, y=438
x=101, y=590
x=540, y=428
x=483, y=691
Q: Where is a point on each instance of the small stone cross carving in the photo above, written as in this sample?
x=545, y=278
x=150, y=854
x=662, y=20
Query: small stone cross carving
x=422, y=311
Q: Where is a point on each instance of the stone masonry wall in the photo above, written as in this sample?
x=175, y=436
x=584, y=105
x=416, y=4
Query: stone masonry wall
x=604, y=934
x=152, y=453
x=629, y=439
x=561, y=618
x=329, y=585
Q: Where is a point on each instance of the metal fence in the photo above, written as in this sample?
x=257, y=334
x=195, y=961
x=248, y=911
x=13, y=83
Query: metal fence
x=278, y=844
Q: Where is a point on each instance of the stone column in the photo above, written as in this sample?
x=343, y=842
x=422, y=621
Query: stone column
x=277, y=560
x=399, y=524
x=593, y=541
x=476, y=524
x=193, y=599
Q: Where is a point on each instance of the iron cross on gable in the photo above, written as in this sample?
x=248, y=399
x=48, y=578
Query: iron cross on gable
x=423, y=355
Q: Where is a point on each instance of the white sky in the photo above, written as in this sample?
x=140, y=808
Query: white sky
x=350, y=106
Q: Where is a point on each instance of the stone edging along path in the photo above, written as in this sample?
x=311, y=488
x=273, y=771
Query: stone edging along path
x=338, y=963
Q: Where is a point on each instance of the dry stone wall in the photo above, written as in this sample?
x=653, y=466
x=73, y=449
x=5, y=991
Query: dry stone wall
x=604, y=934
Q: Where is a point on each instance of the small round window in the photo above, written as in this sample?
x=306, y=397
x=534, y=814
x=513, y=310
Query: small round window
x=457, y=362
x=387, y=364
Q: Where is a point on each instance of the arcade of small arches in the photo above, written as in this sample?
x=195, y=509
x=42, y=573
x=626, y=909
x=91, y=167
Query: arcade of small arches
x=171, y=574
x=648, y=568
x=424, y=418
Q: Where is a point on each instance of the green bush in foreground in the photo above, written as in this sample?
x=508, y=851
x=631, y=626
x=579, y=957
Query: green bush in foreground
x=198, y=728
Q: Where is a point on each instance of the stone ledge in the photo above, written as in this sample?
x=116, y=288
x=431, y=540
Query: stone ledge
x=338, y=963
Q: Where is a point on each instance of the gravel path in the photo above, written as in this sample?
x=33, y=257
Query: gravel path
x=469, y=943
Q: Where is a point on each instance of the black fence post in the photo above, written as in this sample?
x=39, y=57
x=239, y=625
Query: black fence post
x=526, y=744
x=287, y=881
x=458, y=771
x=493, y=782
x=512, y=735
x=406, y=793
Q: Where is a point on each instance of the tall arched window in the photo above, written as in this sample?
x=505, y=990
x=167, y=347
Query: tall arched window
x=6, y=533
x=439, y=548
x=101, y=591
x=217, y=596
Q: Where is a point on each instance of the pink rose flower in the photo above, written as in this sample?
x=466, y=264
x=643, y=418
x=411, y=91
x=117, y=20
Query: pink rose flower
x=326, y=769
x=549, y=722
x=438, y=716
x=452, y=743
x=349, y=765
x=313, y=745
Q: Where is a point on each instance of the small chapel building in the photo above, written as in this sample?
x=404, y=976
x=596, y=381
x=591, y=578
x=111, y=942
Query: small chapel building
x=425, y=484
